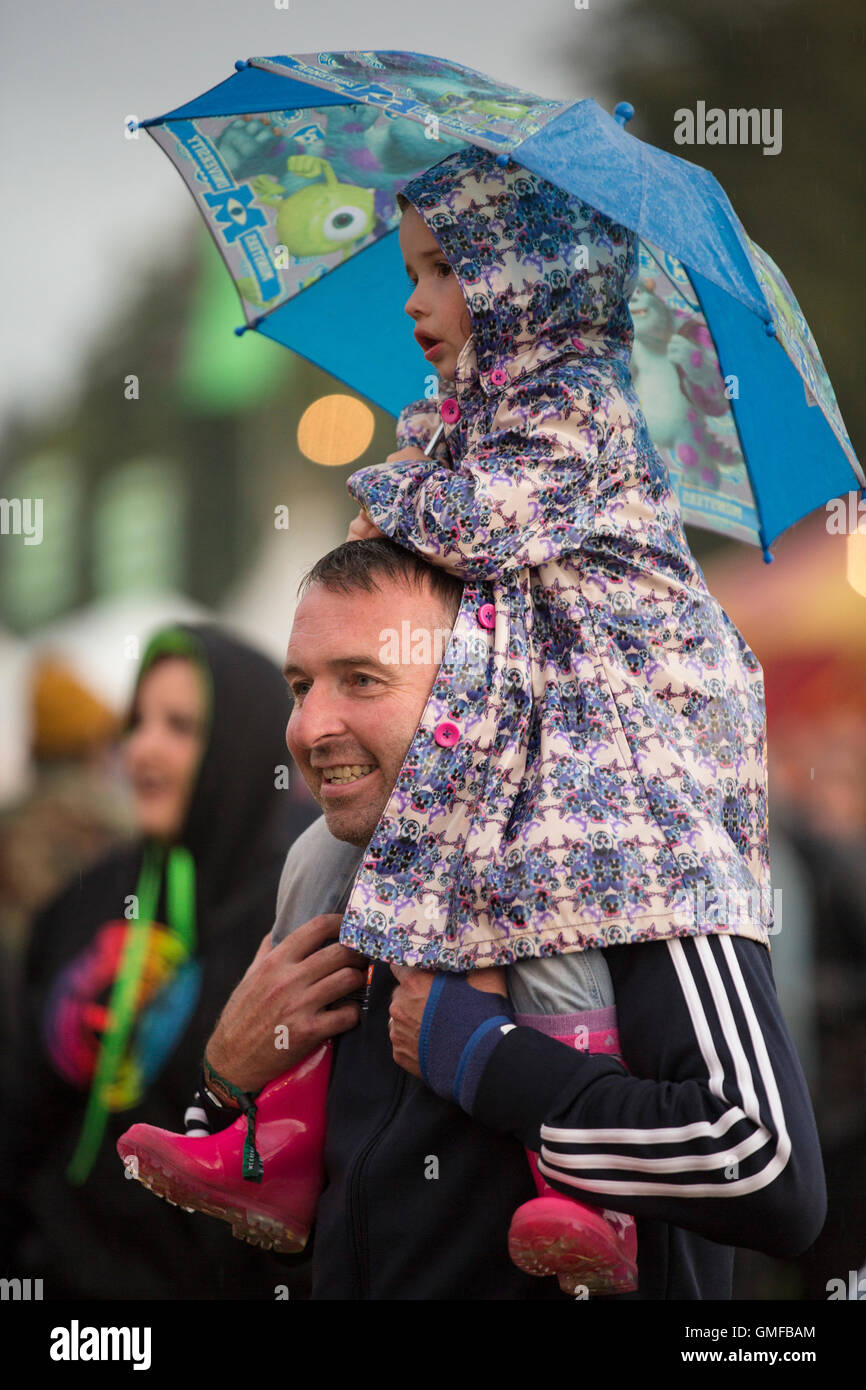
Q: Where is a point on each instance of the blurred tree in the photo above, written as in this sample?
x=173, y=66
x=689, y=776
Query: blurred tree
x=168, y=385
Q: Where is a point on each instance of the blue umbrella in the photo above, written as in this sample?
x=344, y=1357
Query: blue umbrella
x=294, y=162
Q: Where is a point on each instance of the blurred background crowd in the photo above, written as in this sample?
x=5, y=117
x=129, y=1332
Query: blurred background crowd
x=197, y=475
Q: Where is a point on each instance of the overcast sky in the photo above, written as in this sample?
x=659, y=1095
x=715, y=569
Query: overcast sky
x=84, y=205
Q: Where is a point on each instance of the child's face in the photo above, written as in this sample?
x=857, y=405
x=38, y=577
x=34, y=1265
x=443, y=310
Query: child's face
x=442, y=322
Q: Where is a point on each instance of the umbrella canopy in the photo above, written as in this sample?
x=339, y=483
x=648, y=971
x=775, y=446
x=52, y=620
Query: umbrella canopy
x=295, y=162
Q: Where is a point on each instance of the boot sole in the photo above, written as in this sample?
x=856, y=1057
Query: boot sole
x=540, y=1251
x=256, y=1228
x=572, y=1269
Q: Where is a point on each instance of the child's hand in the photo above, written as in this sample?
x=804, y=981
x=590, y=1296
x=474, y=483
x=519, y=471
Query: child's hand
x=363, y=529
x=411, y=451
x=490, y=980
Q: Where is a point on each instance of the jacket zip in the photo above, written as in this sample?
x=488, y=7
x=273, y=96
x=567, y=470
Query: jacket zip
x=357, y=1230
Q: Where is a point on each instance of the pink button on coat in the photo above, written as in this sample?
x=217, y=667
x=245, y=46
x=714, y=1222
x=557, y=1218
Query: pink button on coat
x=609, y=782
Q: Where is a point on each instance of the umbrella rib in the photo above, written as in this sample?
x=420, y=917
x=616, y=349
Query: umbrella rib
x=696, y=308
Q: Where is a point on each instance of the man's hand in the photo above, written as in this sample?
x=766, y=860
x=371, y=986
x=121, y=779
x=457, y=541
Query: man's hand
x=284, y=997
x=409, y=1001
x=363, y=529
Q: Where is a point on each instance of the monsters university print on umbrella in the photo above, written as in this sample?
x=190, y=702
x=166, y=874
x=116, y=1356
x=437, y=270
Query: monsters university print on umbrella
x=295, y=162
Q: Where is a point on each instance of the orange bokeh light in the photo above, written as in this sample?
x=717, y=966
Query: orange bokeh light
x=335, y=430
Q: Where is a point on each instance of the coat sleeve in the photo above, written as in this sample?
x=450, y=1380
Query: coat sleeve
x=711, y=1128
x=524, y=494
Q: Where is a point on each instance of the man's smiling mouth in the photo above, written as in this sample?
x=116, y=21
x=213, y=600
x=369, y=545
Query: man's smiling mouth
x=346, y=772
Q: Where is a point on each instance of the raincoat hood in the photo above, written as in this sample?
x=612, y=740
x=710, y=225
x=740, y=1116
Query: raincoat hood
x=239, y=815
x=544, y=275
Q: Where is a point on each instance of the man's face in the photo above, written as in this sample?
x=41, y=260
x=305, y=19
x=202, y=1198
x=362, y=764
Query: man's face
x=356, y=713
x=442, y=321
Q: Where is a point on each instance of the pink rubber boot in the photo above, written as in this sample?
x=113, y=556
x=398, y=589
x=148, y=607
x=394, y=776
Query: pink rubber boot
x=553, y=1234
x=206, y=1174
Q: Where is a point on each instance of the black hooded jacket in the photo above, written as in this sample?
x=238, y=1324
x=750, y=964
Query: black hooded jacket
x=109, y=1238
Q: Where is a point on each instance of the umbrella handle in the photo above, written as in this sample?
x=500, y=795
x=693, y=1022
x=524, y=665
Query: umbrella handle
x=435, y=439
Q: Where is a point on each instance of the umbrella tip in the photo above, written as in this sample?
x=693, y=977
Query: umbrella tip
x=622, y=112
x=241, y=63
x=769, y=557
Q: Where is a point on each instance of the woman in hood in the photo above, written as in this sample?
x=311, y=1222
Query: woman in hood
x=589, y=769
x=126, y=971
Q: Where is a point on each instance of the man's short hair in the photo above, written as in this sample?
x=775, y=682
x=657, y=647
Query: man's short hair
x=357, y=565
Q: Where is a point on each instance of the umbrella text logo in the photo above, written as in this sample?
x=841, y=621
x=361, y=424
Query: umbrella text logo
x=22, y=516
x=737, y=126
x=234, y=213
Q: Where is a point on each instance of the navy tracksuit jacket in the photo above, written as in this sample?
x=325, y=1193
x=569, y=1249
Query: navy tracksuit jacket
x=709, y=1139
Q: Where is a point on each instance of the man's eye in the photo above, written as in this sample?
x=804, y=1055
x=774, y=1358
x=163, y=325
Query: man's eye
x=443, y=265
x=297, y=690
x=363, y=682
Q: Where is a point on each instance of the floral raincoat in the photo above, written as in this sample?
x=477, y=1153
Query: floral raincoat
x=589, y=769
